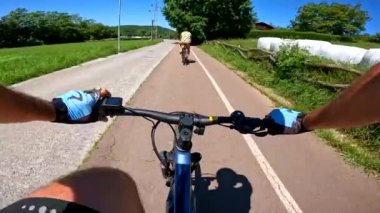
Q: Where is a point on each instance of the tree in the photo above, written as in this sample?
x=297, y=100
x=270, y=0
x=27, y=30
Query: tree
x=210, y=19
x=21, y=27
x=17, y=27
x=334, y=18
x=99, y=31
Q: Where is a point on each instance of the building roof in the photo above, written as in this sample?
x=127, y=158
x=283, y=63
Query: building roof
x=264, y=25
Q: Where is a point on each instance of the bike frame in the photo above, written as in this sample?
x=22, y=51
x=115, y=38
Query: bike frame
x=180, y=195
x=179, y=198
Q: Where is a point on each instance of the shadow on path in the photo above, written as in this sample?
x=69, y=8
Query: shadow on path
x=232, y=193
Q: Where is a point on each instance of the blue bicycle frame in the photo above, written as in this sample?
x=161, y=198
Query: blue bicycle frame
x=179, y=199
x=182, y=182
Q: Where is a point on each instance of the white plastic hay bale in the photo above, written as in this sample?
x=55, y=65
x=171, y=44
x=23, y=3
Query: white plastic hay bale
x=264, y=42
x=275, y=46
x=325, y=51
x=371, y=57
x=314, y=47
x=289, y=42
x=345, y=54
x=338, y=53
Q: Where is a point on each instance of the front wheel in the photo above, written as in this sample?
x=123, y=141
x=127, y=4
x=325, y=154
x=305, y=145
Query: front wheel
x=170, y=200
x=195, y=198
x=194, y=203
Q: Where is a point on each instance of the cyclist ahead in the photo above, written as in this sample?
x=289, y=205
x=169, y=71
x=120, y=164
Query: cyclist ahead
x=185, y=40
x=356, y=106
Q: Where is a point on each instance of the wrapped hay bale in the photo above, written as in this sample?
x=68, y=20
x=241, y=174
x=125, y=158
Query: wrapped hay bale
x=275, y=46
x=314, y=47
x=345, y=54
x=264, y=43
x=371, y=57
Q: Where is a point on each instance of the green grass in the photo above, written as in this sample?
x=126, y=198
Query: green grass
x=244, y=43
x=362, y=44
x=361, y=146
x=19, y=64
x=353, y=152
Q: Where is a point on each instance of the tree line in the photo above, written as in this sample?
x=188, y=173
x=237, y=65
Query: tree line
x=210, y=19
x=23, y=28
x=135, y=30
x=206, y=19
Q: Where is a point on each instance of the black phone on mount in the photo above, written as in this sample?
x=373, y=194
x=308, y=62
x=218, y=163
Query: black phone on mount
x=110, y=106
x=112, y=103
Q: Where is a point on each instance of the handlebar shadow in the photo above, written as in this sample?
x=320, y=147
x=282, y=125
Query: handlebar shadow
x=232, y=194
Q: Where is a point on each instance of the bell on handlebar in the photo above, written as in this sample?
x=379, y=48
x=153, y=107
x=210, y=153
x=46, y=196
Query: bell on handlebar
x=237, y=117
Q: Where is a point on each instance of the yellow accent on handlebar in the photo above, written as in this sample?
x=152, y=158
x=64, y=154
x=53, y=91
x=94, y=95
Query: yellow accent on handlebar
x=211, y=118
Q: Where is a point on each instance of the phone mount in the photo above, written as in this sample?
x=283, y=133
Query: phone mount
x=111, y=106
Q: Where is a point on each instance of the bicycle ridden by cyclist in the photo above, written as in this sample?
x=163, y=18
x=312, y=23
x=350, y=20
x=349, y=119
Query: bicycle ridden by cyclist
x=185, y=40
x=356, y=106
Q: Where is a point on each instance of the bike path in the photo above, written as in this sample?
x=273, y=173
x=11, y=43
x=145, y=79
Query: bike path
x=305, y=175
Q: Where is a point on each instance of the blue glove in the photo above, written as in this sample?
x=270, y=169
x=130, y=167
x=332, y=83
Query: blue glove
x=76, y=106
x=285, y=121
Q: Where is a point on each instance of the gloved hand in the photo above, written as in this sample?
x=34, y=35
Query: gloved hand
x=285, y=121
x=78, y=106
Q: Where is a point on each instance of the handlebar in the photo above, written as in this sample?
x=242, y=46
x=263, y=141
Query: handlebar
x=113, y=107
x=170, y=118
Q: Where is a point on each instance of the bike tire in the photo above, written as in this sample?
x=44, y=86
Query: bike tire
x=170, y=200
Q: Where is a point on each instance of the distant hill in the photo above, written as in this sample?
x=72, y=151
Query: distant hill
x=145, y=31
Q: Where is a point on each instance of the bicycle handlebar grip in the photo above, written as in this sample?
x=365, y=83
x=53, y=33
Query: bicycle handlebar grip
x=245, y=124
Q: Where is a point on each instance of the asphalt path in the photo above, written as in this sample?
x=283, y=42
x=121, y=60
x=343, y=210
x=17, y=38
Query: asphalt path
x=239, y=173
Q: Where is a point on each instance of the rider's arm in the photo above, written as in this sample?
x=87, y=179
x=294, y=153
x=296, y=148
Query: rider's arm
x=18, y=107
x=75, y=106
x=356, y=106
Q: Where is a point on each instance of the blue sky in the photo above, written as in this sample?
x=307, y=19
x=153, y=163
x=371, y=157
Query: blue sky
x=277, y=12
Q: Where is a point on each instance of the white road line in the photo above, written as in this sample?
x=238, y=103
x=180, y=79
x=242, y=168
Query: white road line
x=287, y=200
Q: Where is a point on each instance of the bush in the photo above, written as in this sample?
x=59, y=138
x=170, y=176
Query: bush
x=299, y=35
x=375, y=38
x=293, y=35
x=290, y=61
x=347, y=39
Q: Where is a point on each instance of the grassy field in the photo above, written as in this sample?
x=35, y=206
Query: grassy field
x=19, y=64
x=362, y=44
x=359, y=146
x=252, y=43
x=244, y=43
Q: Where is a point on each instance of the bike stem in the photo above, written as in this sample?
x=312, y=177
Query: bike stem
x=185, y=133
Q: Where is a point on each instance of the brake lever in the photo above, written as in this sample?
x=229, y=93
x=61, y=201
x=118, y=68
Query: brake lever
x=262, y=132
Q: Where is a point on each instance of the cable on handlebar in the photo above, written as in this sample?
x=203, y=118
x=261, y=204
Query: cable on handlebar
x=153, y=139
x=146, y=118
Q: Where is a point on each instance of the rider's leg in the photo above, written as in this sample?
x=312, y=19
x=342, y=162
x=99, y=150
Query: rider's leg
x=103, y=189
x=188, y=49
x=180, y=47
